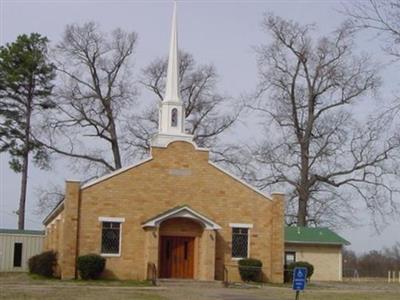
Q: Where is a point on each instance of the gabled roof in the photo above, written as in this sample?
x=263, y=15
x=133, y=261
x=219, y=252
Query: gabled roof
x=54, y=212
x=22, y=232
x=181, y=212
x=313, y=235
x=114, y=173
x=60, y=206
x=240, y=180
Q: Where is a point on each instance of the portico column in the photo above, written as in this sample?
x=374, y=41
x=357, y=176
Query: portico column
x=151, y=250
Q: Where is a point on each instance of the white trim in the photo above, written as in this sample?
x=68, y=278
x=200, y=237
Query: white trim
x=241, y=181
x=162, y=140
x=240, y=225
x=53, y=212
x=248, y=240
x=112, y=174
x=111, y=254
x=111, y=219
x=185, y=212
x=120, y=237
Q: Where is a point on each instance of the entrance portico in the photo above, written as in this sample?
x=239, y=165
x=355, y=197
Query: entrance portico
x=181, y=243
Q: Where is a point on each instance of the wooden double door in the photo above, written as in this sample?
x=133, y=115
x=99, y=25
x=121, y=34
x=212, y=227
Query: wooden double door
x=176, y=257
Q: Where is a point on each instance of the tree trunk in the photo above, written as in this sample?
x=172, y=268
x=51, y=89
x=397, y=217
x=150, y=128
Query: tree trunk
x=22, y=199
x=25, y=158
x=302, y=212
x=25, y=164
x=117, y=156
x=113, y=135
x=303, y=190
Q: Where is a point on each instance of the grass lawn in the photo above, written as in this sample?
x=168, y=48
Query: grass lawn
x=23, y=286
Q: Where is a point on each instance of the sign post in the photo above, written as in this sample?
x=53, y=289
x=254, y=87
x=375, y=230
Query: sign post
x=299, y=280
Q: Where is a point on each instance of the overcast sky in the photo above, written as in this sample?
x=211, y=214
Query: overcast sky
x=219, y=32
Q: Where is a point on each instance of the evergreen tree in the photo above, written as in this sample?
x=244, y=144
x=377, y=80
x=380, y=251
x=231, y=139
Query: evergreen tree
x=25, y=86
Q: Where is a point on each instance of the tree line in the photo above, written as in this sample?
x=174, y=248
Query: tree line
x=375, y=263
x=79, y=99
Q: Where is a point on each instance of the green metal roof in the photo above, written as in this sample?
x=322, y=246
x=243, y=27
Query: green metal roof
x=313, y=235
x=17, y=231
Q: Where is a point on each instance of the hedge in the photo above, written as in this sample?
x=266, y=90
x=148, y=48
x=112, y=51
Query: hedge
x=43, y=264
x=91, y=266
x=250, y=269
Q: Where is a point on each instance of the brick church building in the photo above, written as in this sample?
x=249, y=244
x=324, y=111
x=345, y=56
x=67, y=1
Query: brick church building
x=175, y=211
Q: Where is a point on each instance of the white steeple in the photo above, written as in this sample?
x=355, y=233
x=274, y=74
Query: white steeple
x=172, y=86
x=172, y=110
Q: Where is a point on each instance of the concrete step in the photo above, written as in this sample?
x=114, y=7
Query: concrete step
x=187, y=282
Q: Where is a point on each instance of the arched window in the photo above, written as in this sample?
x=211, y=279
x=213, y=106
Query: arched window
x=174, y=117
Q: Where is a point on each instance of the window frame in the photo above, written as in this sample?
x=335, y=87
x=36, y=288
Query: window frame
x=111, y=220
x=242, y=226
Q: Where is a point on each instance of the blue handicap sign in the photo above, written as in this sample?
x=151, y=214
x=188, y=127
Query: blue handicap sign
x=299, y=278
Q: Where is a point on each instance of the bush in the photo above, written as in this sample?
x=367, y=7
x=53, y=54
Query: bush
x=91, y=266
x=301, y=264
x=43, y=263
x=250, y=269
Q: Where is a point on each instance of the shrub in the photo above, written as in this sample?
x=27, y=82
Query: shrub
x=301, y=264
x=250, y=269
x=43, y=263
x=91, y=266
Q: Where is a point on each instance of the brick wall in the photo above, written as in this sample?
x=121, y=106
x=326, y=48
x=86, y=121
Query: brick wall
x=179, y=175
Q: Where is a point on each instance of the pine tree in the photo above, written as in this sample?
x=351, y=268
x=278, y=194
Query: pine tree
x=26, y=77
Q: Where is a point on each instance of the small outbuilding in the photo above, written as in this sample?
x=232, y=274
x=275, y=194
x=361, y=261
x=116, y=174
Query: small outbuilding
x=319, y=246
x=17, y=246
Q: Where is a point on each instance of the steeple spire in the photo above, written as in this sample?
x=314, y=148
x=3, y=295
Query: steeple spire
x=172, y=85
x=172, y=111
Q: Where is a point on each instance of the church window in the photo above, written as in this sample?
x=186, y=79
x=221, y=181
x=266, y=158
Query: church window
x=110, y=238
x=174, y=117
x=240, y=242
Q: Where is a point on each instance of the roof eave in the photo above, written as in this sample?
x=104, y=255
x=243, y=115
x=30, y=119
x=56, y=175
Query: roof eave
x=346, y=243
x=54, y=213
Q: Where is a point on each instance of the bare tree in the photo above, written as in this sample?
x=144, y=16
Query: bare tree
x=381, y=16
x=48, y=197
x=207, y=112
x=314, y=144
x=96, y=91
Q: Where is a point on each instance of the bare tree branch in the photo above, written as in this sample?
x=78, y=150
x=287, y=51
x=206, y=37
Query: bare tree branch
x=313, y=143
x=96, y=90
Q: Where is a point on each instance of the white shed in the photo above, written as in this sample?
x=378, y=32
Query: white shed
x=17, y=246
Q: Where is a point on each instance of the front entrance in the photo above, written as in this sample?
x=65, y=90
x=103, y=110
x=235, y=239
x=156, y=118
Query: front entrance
x=176, y=257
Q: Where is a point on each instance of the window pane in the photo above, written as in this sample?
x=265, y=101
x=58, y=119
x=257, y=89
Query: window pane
x=110, y=238
x=240, y=242
x=174, y=117
x=115, y=225
x=106, y=224
x=17, y=254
